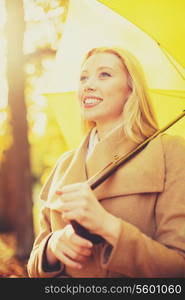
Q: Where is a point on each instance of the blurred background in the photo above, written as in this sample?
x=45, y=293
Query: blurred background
x=42, y=43
x=30, y=136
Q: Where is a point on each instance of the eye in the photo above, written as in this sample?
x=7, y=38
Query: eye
x=83, y=78
x=105, y=74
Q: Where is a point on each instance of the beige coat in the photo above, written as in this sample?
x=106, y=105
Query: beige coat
x=147, y=194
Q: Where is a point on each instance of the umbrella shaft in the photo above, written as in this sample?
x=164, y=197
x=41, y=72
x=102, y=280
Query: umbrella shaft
x=102, y=175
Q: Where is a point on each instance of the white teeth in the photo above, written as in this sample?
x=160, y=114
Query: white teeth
x=91, y=101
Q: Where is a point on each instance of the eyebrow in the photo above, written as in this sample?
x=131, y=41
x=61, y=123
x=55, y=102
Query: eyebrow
x=100, y=68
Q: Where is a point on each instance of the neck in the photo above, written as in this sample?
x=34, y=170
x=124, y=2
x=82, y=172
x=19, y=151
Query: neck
x=104, y=128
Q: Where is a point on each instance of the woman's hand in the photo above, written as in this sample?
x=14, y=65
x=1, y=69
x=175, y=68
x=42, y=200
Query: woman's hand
x=67, y=247
x=78, y=202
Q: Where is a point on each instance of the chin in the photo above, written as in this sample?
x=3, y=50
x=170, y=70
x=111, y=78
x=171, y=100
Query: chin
x=94, y=117
x=90, y=118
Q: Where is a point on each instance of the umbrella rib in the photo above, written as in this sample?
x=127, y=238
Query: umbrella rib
x=162, y=49
x=152, y=37
x=171, y=91
x=167, y=94
x=171, y=61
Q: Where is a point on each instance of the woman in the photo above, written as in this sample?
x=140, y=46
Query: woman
x=140, y=210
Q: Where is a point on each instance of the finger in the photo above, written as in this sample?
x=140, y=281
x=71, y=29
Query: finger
x=69, y=203
x=55, y=205
x=73, y=206
x=75, y=239
x=83, y=243
x=59, y=206
x=86, y=252
x=81, y=250
x=73, y=187
x=68, y=262
x=78, y=215
x=76, y=256
x=62, y=207
x=72, y=196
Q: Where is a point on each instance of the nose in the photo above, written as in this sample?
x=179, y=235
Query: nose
x=89, y=88
x=89, y=85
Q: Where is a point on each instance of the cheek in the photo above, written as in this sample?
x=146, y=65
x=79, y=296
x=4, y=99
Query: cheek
x=79, y=94
x=116, y=96
x=117, y=92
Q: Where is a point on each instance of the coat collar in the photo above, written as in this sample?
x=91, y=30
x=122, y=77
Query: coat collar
x=142, y=174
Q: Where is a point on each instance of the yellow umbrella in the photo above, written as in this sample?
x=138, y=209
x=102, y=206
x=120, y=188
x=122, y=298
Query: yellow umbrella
x=152, y=30
x=163, y=20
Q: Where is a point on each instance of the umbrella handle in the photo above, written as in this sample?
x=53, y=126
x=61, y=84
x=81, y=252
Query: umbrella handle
x=83, y=232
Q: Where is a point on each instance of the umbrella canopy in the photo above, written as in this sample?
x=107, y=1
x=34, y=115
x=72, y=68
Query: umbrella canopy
x=162, y=20
x=142, y=27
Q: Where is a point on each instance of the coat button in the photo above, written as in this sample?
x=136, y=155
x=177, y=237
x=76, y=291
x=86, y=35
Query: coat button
x=116, y=157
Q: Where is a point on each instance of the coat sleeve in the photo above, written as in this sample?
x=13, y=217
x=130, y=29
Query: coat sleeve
x=37, y=266
x=137, y=255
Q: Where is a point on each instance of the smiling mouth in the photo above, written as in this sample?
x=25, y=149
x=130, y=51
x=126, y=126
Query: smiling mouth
x=91, y=101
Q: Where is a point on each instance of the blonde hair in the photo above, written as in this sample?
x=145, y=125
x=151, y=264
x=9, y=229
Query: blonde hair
x=139, y=120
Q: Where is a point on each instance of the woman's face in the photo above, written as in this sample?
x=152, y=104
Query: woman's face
x=103, y=88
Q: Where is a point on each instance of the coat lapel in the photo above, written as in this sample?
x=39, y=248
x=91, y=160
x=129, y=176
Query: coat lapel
x=114, y=146
x=142, y=174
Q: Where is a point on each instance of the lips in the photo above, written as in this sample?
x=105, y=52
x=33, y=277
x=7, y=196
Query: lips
x=91, y=101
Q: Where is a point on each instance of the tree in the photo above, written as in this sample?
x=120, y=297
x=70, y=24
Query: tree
x=17, y=185
x=17, y=181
